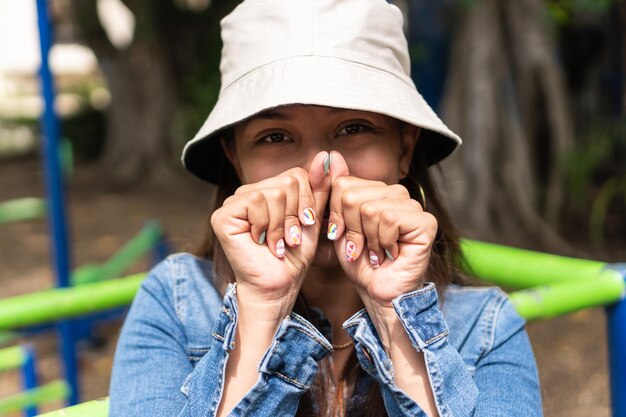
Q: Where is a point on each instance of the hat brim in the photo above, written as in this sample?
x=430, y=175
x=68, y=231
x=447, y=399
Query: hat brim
x=322, y=81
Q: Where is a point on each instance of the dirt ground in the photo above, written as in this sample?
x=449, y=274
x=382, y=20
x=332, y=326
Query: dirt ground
x=571, y=351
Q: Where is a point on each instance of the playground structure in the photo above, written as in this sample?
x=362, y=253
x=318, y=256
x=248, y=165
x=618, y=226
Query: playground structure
x=58, y=162
x=23, y=357
x=543, y=285
x=48, y=306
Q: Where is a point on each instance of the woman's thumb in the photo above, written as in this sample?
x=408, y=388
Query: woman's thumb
x=325, y=167
x=338, y=166
x=320, y=181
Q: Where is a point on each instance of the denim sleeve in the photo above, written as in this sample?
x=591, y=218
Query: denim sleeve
x=150, y=361
x=506, y=375
x=286, y=370
x=153, y=375
x=457, y=391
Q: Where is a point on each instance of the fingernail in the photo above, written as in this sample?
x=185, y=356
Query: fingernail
x=327, y=162
x=374, y=259
x=309, y=216
x=262, y=238
x=280, y=248
x=350, y=251
x=294, y=232
x=332, y=231
x=389, y=255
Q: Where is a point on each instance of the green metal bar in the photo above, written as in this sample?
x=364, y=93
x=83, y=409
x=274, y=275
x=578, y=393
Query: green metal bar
x=12, y=357
x=520, y=268
x=95, y=408
x=568, y=296
x=55, y=304
x=564, y=285
x=7, y=337
x=22, y=209
x=53, y=391
x=147, y=237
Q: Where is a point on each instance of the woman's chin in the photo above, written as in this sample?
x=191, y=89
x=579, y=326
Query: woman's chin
x=325, y=256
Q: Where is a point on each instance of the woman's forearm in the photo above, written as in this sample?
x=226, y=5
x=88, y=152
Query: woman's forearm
x=409, y=366
x=256, y=326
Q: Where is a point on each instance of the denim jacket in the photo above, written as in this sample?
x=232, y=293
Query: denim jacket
x=175, y=343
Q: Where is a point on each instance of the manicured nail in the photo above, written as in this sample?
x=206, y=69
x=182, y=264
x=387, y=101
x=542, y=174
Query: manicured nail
x=280, y=248
x=294, y=232
x=262, y=238
x=389, y=255
x=350, y=251
x=332, y=231
x=327, y=162
x=374, y=260
x=309, y=216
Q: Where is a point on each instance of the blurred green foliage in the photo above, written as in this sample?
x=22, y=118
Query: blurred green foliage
x=596, y=179
x=562, y=11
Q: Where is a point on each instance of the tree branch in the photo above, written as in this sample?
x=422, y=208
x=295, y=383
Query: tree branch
x=86, y=18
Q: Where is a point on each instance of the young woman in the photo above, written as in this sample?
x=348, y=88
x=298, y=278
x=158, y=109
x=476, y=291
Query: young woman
x=326, y=285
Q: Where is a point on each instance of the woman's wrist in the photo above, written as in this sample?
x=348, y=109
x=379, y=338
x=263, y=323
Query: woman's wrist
x=264, y=310
x=385, y=320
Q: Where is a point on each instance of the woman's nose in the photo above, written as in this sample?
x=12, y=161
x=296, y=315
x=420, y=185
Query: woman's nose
x=314, y=148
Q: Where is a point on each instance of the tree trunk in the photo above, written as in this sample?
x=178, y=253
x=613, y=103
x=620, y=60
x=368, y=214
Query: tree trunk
x=171, y=45
x=503, y=61
x=622, y=9
x=139, y=118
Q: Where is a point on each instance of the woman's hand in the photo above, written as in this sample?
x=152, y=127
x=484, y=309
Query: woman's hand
x=269, y=232
x=383, y=238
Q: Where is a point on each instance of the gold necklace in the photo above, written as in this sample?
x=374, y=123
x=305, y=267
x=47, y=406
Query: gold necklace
x=343, y=345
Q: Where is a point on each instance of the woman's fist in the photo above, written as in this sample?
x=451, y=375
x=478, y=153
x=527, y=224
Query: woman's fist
x=383, y=238
x=269, y=230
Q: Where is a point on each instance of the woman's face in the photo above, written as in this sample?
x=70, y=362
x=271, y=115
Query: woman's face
x=375, y=147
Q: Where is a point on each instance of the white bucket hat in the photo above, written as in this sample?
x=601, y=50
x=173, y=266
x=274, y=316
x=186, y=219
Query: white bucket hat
x=349, y=54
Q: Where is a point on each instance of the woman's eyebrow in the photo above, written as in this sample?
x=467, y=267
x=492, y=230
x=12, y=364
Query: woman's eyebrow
x=272, y=115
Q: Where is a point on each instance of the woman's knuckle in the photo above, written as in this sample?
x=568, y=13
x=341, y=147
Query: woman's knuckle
x=373, y=245
x=431, y=221
x=352, y=234
x=289, y=182
x=388, y=216
x=399, y=190
x=276, y=194
x=300, y=173
x=256, y=197
x=340, y=182
x=278, y=231
x=416, y=205
x=368, y=210
x=215, y=217
x=350, y=199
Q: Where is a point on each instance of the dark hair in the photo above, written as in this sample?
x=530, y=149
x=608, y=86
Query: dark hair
x=442, y=270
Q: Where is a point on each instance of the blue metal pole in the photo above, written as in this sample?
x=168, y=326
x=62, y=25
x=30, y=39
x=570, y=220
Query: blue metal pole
x=29, y=378
x=56, y=200
x=616, y=328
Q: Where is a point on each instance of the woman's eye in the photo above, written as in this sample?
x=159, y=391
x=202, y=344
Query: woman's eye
x=352, y=129
x=275, y=137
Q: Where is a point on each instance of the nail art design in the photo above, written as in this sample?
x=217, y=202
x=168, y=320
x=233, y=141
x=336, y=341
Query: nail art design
x=389, y=255
x=294, y=232
x=327, y=162
x=332, y=231
x=350, y=251
x=262, y=238
x=309, y=216
x=374, y=260
x=280, y=248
